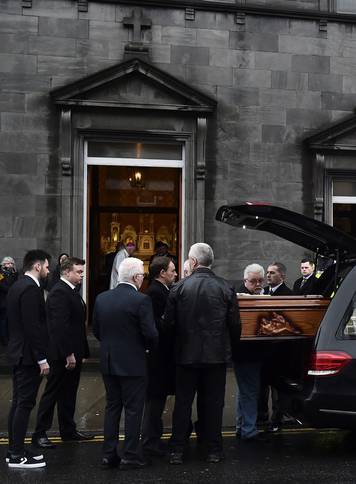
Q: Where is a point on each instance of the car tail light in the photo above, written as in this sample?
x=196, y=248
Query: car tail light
x=324, y=363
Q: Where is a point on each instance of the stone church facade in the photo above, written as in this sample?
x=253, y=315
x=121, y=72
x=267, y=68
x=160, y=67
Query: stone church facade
x=259, y=95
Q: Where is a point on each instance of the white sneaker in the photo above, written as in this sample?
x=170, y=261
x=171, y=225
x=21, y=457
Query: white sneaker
x=25, y=462
x=35, y=456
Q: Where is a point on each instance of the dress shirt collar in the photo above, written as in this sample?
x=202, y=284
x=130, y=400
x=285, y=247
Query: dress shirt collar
x=163, y=284
x=129, y=284
x=274, y=289
x=72, y=286
x=33, y=278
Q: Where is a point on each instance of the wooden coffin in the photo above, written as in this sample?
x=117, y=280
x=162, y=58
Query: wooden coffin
x=287, y=317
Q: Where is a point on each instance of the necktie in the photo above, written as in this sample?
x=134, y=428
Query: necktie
x=303, y=281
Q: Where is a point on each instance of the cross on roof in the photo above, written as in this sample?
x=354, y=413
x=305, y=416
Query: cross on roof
x=137, y=21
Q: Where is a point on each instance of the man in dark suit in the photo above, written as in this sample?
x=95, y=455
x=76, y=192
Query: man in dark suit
x=161, y=365
x=307, y=283
x=123, y=322
x=27, y=352
x=276, y=274
x=202, y=308
x=68, y=346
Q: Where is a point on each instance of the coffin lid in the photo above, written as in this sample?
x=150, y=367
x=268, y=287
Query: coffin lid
x=295, y=227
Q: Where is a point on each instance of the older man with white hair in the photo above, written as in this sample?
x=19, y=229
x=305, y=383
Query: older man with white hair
x=123, y=322
x=202, y=308
x=248, y=365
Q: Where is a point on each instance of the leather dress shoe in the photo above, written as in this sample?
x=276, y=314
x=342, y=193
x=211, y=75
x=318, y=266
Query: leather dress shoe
x=76, y=436
x=126, y=465
x=214, y=458
x=110, y=462
x=43, y=443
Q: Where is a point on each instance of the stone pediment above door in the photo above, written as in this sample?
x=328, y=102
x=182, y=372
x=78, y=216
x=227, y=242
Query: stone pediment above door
x=134, y=84
x=340, y=136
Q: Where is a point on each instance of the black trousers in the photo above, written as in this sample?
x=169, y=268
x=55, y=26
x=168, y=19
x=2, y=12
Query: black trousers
x=210, y=382
x=152, y=425
x=26, y=381
x=128, y=393
x=61, y=389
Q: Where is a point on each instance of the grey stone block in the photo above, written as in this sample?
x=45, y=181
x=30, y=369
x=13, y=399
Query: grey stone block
x=273, y=134
x=17, y=246
x=273, y=61
x=308, y=45
x=190, y=55
x=8, y=7
x=326, y=82
x=179, y=36
x=52, y=46
x=252, y=78
x=99, y=11
x=18, y=163
x=61, y=27
x=18, y=23
x=60, y=66
x=304, y=28
x=161, y=53
x=24, y=83
x=213, y=20
x=18, y=64
x=308, y=100
x=231, y=58
x=209, y=75
x=236, y=96
x=18, y=184
x=24, y=142
x=345, y=66
x=297, y=81
x=25, y=205
x=258, y=42
x=36, y=227
x=12, y=102
x=311, y=64
x=213, y=38
x=332, y=100
x=24, y=122
x=6, y=227
x=278, y=97
x=160, y=16
x=262, y=114
x=14, y=44
x=307, y=118
x=262, y=24
x=348, y=85
x=48, y=205
x=100, y=48
x=55, y=8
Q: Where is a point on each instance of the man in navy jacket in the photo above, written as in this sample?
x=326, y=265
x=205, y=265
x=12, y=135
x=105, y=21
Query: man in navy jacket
x=124, y=324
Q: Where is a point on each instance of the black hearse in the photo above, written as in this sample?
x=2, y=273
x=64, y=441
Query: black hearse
x=326, y=396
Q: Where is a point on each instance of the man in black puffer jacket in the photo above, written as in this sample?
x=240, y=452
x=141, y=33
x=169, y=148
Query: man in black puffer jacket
x=203, y=310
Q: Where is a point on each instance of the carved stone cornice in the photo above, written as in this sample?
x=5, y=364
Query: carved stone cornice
x=201, y=147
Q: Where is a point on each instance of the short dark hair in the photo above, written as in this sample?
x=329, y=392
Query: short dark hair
x=33, y=256
x=159, y=245
x=158, y=264
x=304, y=261
x=70, y=262
x=280, y=267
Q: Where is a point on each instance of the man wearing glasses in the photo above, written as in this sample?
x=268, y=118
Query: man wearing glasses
x=247, y=366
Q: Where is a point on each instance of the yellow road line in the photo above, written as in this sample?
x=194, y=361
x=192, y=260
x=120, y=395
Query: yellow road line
x=227, y=433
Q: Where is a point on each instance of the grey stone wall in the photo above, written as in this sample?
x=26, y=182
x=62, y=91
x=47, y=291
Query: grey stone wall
x=276, y=81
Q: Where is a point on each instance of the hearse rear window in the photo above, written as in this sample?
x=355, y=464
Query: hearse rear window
x=349, y=322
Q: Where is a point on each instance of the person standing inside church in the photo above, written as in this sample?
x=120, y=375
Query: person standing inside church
x=161, y=364
x=27, y=353
x=306, y=284
x=123, y=252
x=68, y=346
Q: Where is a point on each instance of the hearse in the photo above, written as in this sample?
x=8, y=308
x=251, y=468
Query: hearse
x=325, y=395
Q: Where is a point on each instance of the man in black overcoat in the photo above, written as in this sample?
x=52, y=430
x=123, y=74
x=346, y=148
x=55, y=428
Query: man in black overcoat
x=307, y=283
x=27, y=353
x=161, y=364
x=68, y=346
x=123, y=323
x=276, y=274
x=202, y=308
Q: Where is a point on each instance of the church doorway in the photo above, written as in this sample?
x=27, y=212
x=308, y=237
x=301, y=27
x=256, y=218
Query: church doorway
x=140, y=202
